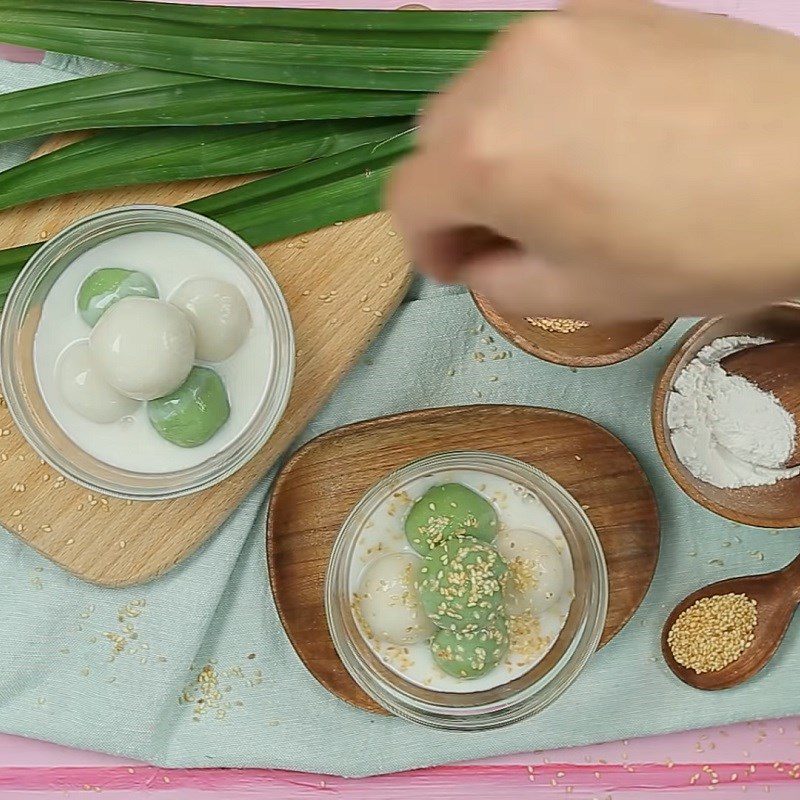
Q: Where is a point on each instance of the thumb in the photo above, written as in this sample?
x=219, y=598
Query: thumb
x=521, y=284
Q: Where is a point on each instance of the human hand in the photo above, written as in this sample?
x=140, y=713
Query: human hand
x=617, y=159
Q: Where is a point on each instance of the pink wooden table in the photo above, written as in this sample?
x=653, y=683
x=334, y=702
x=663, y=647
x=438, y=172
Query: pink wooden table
x=743, y=760
x=751, y=759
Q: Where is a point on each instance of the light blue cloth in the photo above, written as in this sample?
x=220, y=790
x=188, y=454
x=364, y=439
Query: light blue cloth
x=58, y=680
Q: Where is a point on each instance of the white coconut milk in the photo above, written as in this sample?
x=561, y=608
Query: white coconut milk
x=516, y=507
x=169, y=259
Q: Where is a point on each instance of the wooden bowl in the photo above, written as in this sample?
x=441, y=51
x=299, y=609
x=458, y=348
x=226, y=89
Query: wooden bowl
x=594, y=346
x=776, y=506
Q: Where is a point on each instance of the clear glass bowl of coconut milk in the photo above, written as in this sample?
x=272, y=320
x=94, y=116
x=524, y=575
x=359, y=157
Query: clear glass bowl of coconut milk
x=172, y=245
x=411, y=687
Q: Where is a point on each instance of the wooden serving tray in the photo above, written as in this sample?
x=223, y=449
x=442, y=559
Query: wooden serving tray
x=341, y=284
x=318, y=487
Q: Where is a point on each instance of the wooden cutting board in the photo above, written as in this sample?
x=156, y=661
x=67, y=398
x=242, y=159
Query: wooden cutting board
x=341, y=284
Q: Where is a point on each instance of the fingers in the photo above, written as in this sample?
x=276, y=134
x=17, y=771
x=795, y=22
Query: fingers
x=443, y=112
x=521, y=285
x=454, y=108
x=431, y=208
x=434, y=212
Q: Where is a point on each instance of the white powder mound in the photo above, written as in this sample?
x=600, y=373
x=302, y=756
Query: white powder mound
x=725, y=430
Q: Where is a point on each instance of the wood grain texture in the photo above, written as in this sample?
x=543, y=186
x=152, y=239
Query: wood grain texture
x=319, y=486
x=776, y=506
x=118, y=543
x=593, y=346
x=776, y=594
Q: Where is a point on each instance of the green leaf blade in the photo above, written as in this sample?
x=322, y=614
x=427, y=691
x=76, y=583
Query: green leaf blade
x=313, y=195
x=360, y=50
x=142, y=98
x=129, y=158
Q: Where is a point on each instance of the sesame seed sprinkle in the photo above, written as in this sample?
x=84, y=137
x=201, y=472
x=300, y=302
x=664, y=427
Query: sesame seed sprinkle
x=713, y=632
x=557, y=324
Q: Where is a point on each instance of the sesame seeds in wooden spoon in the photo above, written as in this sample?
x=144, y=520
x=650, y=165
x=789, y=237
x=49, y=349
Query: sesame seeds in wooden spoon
x=724, y=633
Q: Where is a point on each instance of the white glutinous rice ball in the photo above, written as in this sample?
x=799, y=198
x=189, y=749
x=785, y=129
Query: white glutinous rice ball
x=389, y=602
x=536, y=578
x=86, y=391
x=218, y=313
x=143, y=347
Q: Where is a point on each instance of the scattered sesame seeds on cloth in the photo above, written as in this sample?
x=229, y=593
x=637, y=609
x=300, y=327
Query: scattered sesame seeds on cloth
x=194, y=669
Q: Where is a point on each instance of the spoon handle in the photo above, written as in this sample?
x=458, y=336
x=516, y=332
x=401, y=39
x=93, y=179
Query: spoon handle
x=791, y=578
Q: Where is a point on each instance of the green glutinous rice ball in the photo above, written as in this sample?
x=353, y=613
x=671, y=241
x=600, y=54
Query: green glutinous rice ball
x=103, y=288
x=194, y=412
x=461, y=585
x=471, y=655
x=446, y=511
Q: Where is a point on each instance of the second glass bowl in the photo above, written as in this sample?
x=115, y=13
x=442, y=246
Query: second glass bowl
x=21, y=387
x=509, y=702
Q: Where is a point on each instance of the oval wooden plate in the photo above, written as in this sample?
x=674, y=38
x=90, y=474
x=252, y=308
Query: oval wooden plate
x=321, y=483
x=594, y=346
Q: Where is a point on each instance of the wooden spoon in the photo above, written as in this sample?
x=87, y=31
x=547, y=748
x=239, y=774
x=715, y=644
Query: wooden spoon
x=774, y=368
x=776, y=594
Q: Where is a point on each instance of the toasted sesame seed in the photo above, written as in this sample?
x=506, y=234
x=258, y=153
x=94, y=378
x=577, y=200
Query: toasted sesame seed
x=713, y=632
x=557, y=324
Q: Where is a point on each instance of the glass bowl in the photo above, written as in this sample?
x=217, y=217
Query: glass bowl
x=21, y=388
x=509, y=702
